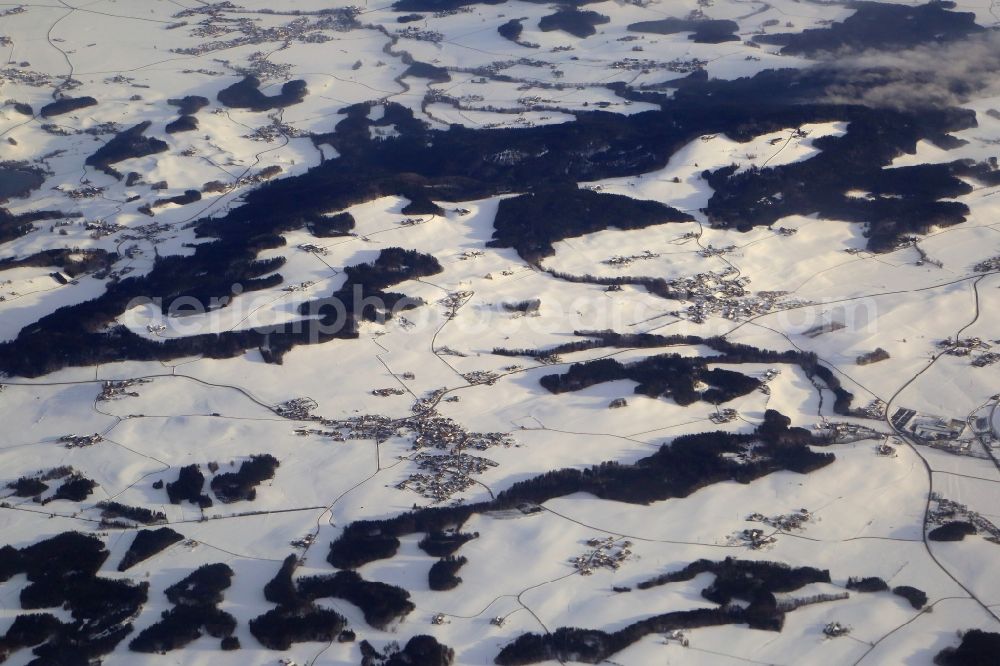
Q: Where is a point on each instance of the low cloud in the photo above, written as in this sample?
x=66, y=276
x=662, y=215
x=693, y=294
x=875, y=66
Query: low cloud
x=928, y=76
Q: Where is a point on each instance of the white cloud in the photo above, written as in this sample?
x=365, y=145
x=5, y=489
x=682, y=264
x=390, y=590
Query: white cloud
x=932, y=75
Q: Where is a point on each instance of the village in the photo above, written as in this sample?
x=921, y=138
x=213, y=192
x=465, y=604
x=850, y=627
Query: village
x=696, y=443
x=80, y=441
x=620, y=261
x=217, y=23
x=116, y=390
x=722, y=294
x=975, y=348
x=605, y=553
x=756, y=538
x=441, y=474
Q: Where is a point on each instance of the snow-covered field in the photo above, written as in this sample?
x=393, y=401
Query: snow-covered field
x=806, y=284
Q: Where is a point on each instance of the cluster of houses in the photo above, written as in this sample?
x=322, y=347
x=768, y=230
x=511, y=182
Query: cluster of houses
x=304, y=542
x=428, y=402
x=836, y=630
x=753, y=538
x=712, y=251
x=301, y=286
x=79, y=441
x=963, y=347
x=367, y=426
x=301, y=29
x=430, y=430
x=677, y=65
x=54, y=129
x=334, y=435
x=720, y=416
x=312, y=248
x=844, y=433
x=945, y=510
x=768, y=375
x=727, y=282
x=151, y=231
x=85, y=192
x=605, y=553
x=453, y=301
x=27, y=77
x=386, y=392
x=985, y=359
x=498, y=66
x=481, y=377
x=273, y=131
x=988, y=266
x=101, y=228
x=420, y=34
x=504, y=273
x=118, y=389
x=297, y=409
x=786, y=522
x=442, y=476
x=721, y=294
x=873, y=410
x=619, y=261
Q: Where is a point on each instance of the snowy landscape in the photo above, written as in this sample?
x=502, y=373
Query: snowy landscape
x=499, y=332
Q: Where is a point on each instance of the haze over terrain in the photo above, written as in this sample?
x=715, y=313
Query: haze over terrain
x=499, y=332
